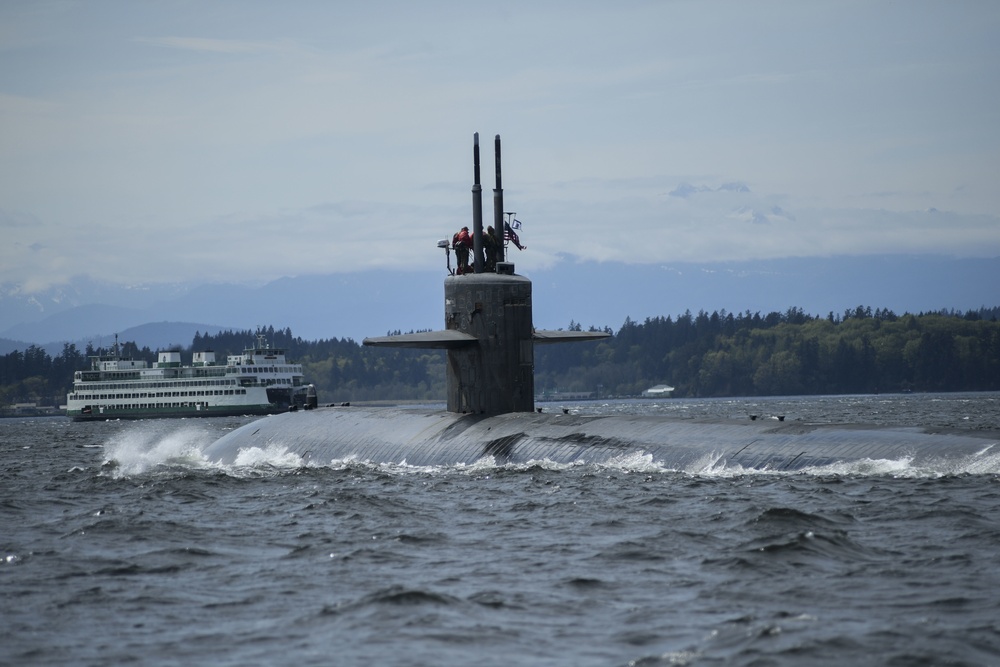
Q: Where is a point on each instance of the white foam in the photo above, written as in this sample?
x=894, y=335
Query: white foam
x=981, y=463
x=274, y=455
x=544, y=464
x=637, y=461
x=708, y=464
x=137, y=450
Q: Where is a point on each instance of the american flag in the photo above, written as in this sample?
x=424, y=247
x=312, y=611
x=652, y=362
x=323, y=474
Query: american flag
x=510, y=235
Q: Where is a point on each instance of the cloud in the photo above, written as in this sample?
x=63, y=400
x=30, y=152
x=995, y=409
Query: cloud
x=213, y=45
x=12, y=219
x=713, y=223
x=685, y=190
x=296, y=139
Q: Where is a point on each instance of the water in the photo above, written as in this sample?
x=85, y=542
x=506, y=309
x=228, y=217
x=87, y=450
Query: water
x=119, y=544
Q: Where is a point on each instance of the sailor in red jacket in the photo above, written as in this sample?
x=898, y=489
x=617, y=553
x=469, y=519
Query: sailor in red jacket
x=462, y=243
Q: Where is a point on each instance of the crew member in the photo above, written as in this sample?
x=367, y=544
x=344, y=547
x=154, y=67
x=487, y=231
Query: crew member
x=491, y=245
x=462, y=243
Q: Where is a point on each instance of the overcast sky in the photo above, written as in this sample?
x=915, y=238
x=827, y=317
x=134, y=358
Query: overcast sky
x=245, y=141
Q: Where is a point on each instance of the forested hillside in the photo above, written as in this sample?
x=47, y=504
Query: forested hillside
x=723, y=354
x=717, y=354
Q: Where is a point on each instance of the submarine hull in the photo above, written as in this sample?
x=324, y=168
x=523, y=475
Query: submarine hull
x=490, y=339
x=432, y=438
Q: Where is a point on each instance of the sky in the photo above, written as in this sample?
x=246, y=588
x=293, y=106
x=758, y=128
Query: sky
x=243, y=141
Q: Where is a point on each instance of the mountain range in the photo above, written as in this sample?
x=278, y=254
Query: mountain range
x=357, y=305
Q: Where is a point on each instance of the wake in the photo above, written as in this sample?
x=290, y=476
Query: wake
x=156, y=446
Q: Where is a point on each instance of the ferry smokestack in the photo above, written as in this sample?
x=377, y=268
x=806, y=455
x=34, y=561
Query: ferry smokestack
x=477, y=212
x=498, y=199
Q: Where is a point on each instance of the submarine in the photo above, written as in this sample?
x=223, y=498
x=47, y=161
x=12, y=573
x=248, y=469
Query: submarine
x=489, y=341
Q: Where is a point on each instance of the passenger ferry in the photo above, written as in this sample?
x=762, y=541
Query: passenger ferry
x=259, y=381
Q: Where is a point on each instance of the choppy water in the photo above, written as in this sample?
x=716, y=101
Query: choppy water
x=120, y=544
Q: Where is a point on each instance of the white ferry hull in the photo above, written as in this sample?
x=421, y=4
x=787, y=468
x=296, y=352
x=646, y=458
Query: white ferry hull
x=103, y=413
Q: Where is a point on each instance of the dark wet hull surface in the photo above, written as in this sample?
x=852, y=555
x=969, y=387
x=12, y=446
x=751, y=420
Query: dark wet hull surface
x=431, y=437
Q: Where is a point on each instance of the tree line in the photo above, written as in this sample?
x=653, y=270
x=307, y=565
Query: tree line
x=790, y=353
x=708, y=354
